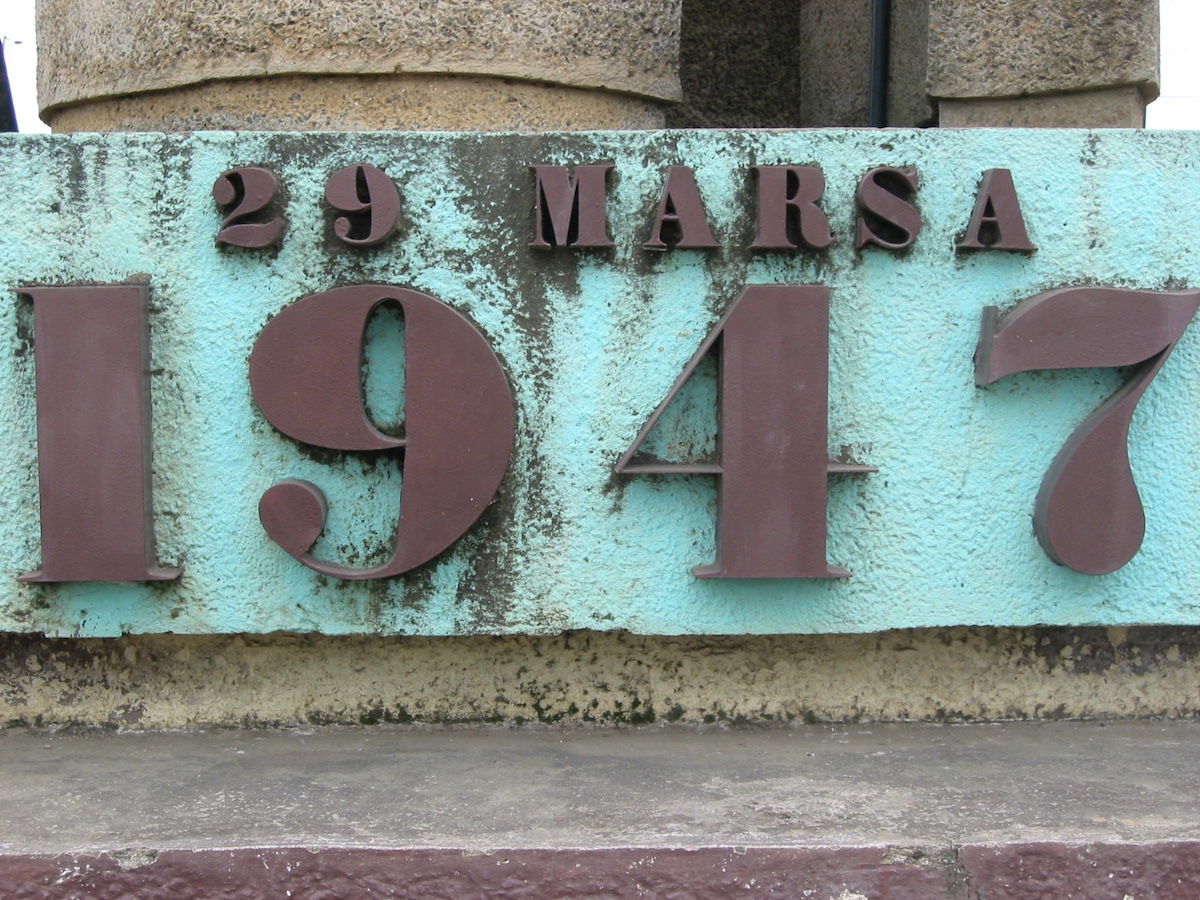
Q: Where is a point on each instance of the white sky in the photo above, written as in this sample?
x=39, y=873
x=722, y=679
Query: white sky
x=1177, y=107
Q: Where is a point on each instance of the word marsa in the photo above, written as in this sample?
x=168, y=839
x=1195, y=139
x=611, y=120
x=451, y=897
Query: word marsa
x=570, y=211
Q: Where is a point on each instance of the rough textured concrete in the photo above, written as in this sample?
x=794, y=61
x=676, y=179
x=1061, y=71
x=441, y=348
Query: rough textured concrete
x=489, y=788
x=835, y=62
x=921, y=812
x=958, y=674
x=788, y=63
x=710, y=873
x=1036, y=871
x=909, y=102
x=89, y=51
x=1118, y=107
x=1024, y=871
x=740, y=65
x=959, y=50
x=999, y=48
x=362, y=103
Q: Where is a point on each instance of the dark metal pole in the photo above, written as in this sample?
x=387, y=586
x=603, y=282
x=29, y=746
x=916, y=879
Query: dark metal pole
x=881, y=17
x=8, y=115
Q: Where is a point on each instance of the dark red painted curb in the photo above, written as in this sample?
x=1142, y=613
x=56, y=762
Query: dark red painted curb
x=345, y=874
x=1163, y=871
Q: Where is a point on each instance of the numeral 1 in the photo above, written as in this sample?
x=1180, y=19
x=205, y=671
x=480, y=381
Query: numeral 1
x=92, y=353
x=773, y=462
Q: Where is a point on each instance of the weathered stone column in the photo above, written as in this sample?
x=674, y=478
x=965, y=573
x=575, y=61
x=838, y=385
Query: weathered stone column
x=528, y=65
x=1043, y=63
x=998, y=63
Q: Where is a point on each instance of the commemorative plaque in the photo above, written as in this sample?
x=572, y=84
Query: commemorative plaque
x=668, y=382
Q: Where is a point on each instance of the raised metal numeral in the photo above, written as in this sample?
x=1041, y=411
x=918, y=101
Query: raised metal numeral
x=247, y=191
x=1088, y=515
x=92, y=352
x=370, y=202
x=773, y=463
x=459, y=424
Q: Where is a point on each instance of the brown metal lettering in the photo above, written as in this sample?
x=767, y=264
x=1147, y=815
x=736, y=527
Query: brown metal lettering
x=773, y=348
x=997, y=223
x=247, y=191
x=887, y=214
x=459, y=424
x=788, y=215
x=680, y=215
x=1088, y=515
x=571, y=210
x=371, y=203
x=92, y=353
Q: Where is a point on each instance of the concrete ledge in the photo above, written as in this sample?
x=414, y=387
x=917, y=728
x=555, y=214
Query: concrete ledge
x=154, y=682
x=1016, y=810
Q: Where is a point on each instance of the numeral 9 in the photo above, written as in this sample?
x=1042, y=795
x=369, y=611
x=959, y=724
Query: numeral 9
x=459, y=423
x=371, y=203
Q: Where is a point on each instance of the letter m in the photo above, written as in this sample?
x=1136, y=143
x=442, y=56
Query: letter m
x=569, y=211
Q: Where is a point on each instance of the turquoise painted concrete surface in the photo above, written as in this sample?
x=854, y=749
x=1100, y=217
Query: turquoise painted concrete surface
x=592, y=342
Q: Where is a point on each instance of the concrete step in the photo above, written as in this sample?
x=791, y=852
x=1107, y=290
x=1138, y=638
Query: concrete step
x=1058, y=809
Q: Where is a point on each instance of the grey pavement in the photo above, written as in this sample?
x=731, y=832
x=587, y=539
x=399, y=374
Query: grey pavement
x=488, y=788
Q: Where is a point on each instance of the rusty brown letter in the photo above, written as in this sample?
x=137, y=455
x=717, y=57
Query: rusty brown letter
x=681, y=220
x=773, y=358
x=887, y=211
x=92, y=353
x=570, y=211
x=1088, y=515
x=788, y=215
x=306, y=376
x=997, y=223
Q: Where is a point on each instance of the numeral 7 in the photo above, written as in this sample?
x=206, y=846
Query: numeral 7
x=1088, y=515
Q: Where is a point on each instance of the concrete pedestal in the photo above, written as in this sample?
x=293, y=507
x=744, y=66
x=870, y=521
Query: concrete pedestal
x=1089, y=810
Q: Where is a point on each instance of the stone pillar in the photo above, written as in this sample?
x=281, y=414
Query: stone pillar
x=998, y=63
x=835, y=62
x=739, y=63
x=526, y=65
x=1043, y=63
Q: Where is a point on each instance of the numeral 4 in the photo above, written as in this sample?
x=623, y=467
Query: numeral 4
x=773, y=460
